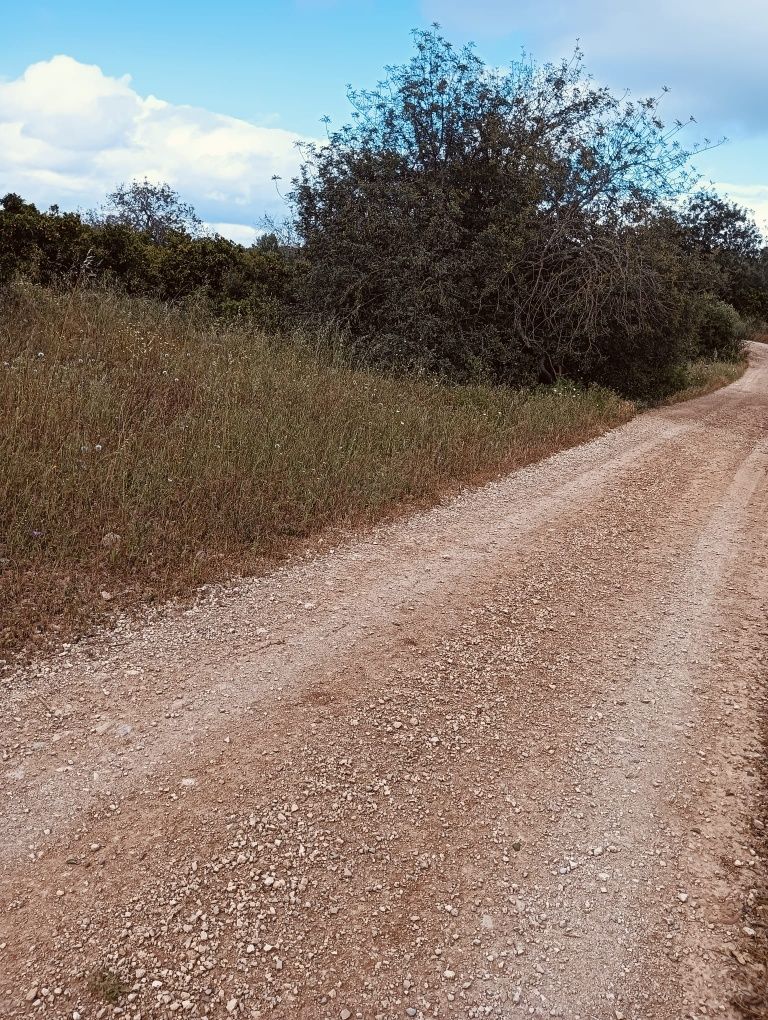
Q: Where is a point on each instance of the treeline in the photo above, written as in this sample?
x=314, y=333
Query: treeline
x=512, y=226
x=161, y=258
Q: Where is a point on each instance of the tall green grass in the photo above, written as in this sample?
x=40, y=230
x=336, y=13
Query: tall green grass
x=211, y=449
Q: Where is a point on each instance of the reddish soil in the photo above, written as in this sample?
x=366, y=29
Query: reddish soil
x=499, y=759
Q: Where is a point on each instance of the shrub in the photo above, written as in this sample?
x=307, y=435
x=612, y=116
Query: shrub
x=721, y=332
x=726, y=239
x=480, y=225
x=499, y=225
x=64, y=250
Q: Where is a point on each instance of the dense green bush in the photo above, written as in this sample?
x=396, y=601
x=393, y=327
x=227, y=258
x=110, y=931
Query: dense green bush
x=516, y=225
x=721, y=331
x=726, y=242
x=65, y=249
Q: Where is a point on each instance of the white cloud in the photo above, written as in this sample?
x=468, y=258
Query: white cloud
x=69, y=133
x=751, y=196
x=240, y=232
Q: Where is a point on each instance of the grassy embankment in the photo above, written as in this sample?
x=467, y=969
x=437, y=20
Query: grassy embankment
x=705, y=377
x=213, y=450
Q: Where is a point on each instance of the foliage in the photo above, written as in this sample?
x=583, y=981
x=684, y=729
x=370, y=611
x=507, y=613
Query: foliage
x=506, y=224
x=64, y=249
x=725, y=236
x=721, y=331
x=152, y=209
x=515, y=226
x=701, y=376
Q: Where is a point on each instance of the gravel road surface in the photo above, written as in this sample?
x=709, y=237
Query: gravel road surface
x=499, y=759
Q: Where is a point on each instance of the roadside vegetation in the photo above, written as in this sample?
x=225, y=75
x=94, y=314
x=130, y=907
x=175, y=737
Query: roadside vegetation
x=698, y=378
x=147, y=449
x=480, y=268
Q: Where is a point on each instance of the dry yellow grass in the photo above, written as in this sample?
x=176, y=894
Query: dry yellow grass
x=211, y=450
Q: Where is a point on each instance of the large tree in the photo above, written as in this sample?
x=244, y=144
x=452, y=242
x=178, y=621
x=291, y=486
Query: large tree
x=480, y=221
x=155, y=210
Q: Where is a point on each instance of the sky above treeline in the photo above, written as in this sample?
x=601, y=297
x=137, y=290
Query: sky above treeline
x=213, y=97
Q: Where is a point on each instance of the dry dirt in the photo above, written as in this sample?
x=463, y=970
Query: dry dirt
x=496, y=760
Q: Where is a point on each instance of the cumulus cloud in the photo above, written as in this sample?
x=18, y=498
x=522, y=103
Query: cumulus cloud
x=751, y=196
x=69, y=133
x=711, y=54
x=240, y=232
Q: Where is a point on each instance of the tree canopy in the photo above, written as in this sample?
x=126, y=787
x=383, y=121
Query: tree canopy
x=147, y=208
x=513, y=223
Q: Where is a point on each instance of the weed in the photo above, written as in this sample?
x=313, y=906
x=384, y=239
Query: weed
x=107, y=987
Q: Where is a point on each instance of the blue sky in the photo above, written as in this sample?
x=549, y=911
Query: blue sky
x=212, y=97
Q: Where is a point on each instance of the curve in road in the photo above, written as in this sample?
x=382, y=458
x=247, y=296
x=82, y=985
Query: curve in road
x=499, y=759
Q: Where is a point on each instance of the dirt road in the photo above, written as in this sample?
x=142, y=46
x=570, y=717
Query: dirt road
x=495, y=760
